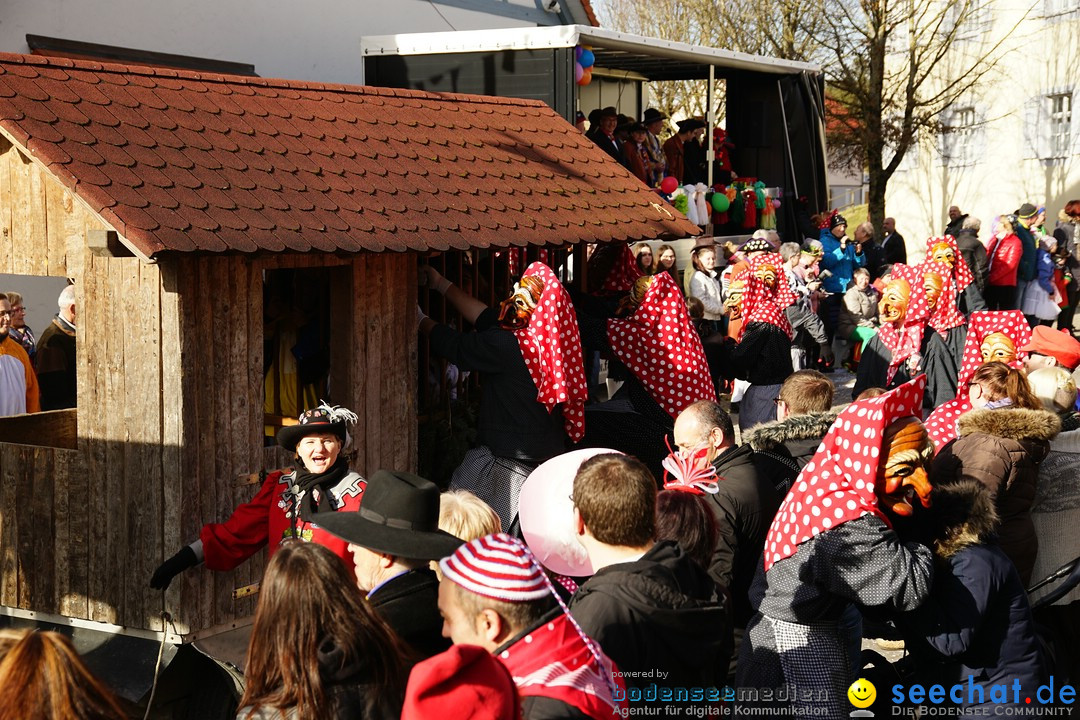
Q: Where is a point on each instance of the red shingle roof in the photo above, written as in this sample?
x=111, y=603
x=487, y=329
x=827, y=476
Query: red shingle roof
x=182, y=161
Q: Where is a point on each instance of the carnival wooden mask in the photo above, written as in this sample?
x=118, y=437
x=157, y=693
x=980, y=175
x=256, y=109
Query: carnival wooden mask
x=902, y=477
x=933, y=283
x=998, y=347
x=894, y=301
x=735, y=298
x=515, y=311
x=943, y=252
x=767, y=274
x=638, y=291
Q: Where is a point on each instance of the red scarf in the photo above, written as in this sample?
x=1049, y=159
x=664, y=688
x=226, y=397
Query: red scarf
x=837, y=484
x=946, y=316
x=961, y=273
x=904, y=342
x=551, y=346
x=553, y=661
x=659, y=345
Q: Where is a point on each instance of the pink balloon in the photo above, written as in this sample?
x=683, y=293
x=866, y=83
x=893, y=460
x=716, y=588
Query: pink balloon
x=578, y=72
x=776, y=203
x=668, y=185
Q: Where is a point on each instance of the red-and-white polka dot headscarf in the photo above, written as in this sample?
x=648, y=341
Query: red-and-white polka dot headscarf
x=945, y=316
x=837, y=484
x=623, y=273
x=762, y=303
x=941, y=425
x=960, y=271
x=905, y=341
x=551, y=346
x=660, y=346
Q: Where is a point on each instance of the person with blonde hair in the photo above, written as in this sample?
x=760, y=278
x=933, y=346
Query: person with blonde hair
x=465, y=516
x=42, y=676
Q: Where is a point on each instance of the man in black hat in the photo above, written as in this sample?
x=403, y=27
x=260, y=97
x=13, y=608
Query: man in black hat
x=392, y=537
x=603, y=134
x=1022, y=227
x=654, y=123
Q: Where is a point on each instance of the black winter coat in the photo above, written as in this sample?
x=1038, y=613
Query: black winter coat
x=937, y=362
x=744, y=506
x=410, y=606
x=660, y=612
x=974, y=254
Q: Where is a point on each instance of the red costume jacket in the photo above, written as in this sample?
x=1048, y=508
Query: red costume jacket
x=1004, y=259
x=265, y=519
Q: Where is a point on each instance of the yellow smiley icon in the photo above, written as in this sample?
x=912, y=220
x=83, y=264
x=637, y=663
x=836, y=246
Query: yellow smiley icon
x=862, y=693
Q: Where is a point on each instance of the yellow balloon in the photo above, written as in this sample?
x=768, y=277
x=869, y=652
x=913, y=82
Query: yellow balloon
x=862, y=693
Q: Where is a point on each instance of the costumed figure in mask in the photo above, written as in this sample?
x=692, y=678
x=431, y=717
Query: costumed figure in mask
x=832, y=544
x=528, y=355
x=904, y=347
x=945, y=250
x=286, y=502
x=762, y=353
x=993, y=336
x=659, y=355
x=946, y=320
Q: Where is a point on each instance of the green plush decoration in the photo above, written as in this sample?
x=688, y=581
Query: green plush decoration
x=759, y=190
x=681, y=203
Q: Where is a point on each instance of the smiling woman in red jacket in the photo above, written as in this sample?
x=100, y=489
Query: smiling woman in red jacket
x=1003, y=259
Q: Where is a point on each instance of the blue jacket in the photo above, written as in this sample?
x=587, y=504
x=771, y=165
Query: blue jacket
x=1046, y=270
x=841, y=263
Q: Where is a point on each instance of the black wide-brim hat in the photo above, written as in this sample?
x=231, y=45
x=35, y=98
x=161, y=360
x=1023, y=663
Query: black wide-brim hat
x=691, y=124
x=399, y=515
x=312, y=422
x=652, y=115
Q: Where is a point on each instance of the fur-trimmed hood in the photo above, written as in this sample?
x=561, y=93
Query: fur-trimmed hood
x=963, y=515
x=772, y=436
x=1012, y=423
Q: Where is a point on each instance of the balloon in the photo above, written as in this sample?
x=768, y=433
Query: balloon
x=578, y=72
x=668, y=185
x=577, y=52
x=587, y=58
x=720, y=203
x=586, y=76
x=776, y=203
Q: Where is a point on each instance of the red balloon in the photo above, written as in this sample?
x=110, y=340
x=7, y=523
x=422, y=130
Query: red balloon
x=668, y=185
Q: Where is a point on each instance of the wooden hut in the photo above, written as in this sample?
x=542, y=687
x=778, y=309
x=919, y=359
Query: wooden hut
x=170, y=198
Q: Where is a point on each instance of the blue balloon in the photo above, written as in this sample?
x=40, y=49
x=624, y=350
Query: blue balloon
x=587, y=58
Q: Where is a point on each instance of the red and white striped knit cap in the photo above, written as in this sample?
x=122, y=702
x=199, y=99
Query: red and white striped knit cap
x=498, y=567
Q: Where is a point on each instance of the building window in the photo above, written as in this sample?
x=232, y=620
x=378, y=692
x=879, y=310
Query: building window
x=1060, y=124
x=959, y=137
x=1053, y=9
x=969, y=18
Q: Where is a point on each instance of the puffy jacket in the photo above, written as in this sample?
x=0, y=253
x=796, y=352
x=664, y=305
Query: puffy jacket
x=1028, y=245
x=840, y=262
x=974, y=254
x=1003, y=449
x=1004, y=260
x=860, y=309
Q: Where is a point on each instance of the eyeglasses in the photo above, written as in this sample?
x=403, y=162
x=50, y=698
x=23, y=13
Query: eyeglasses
x=777, y=400
x=6, y=313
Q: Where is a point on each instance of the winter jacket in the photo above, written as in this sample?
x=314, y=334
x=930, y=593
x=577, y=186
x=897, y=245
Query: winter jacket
x=974, y=254
x=1003, y=261
x=706, y=288
x=860, y=309
x=935, y=360
x=409, y=603
x=895, y=249
x=1026, y=271
x=347, y=689
x=796, y=436
x=1045, y=268
x=1056, y=511
x=761, y=357
x=976, y=622
x=660, y=612
x=955, y=226
x=744, y=507
x=840, y=262
x=1003, y=449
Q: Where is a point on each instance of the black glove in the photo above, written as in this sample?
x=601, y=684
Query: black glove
x=172, y=567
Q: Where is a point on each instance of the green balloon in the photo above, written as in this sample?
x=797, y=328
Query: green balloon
x=720, y=203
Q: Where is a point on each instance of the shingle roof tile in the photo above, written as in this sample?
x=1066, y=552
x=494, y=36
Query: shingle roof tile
x=198, y=162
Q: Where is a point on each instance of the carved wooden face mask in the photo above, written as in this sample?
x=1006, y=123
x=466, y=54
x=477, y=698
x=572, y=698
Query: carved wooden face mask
x=943, y=252
x=767, y=275
x=638, y=291
x=933, y=284
x=894, y=301
x=735, y=298
x=515, y=311
x=998, y=347
x=903, y=475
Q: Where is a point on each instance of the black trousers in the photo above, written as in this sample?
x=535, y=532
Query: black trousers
x=1001, y=297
